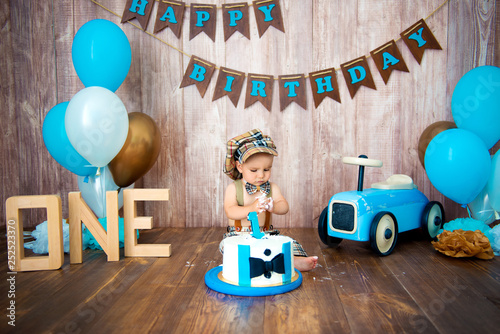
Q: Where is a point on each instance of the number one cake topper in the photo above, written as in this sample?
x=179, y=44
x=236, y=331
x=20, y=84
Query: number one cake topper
x=254, y=221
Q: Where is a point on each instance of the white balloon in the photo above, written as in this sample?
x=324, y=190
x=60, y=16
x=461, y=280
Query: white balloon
x=493, y=185
x=480, y=208
x=94, y=187
x=96, y=123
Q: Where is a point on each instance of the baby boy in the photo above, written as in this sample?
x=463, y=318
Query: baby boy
x=249, y=161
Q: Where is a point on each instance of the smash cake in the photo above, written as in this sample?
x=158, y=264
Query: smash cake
x=255, y=264
x=248, y=261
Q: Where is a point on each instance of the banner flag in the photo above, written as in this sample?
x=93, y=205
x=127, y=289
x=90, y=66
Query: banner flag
x=418, y=38
x=292, y=89
x=230, y=83
x=199, y=72
x=137, y=9
x=268, y=13
x=388, y=58
x=236, y=17
x=324, y=84
x=170, y=15
x=356, y=74
x=259, y=88
x=203, y=18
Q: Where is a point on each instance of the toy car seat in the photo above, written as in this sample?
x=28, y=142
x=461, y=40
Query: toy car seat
x=396, y=181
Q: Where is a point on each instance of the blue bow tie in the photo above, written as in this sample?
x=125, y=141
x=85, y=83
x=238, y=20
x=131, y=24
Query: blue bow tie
x=264, y=188
x=259, y=266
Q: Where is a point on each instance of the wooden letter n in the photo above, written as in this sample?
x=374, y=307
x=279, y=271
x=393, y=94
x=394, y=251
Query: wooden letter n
x=80, y=212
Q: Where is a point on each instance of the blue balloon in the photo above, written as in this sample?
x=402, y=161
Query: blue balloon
x=475, y=103
x=101, y=54
x=458, y=164
x=57, y=142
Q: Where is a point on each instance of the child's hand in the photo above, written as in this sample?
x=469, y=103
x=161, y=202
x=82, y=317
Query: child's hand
x=257, y=206
x=265, y=203
x=269, y=206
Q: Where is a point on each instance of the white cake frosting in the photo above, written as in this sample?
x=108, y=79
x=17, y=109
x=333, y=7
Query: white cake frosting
x=265, y=253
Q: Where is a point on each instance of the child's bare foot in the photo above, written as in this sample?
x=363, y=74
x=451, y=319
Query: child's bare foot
x=305, y=263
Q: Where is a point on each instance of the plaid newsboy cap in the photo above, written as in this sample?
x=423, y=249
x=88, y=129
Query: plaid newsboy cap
x=241, y=147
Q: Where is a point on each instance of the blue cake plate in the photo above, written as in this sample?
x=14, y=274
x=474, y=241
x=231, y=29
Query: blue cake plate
x=213, y=281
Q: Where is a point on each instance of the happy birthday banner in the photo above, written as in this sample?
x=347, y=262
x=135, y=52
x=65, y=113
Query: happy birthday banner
x=292, y=88
x=203, y=17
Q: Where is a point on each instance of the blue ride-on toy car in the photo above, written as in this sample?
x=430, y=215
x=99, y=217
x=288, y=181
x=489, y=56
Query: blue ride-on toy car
x=379, y=213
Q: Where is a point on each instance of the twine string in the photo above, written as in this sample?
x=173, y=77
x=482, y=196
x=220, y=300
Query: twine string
x=217, y=67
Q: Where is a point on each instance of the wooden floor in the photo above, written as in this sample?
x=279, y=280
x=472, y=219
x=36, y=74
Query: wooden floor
x=415, y=290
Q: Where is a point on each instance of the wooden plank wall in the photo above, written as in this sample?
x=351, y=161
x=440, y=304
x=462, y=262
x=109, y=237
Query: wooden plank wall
x=37, y=73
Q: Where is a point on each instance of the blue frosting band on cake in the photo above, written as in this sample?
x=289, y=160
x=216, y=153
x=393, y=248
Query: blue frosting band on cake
x=287, y=277
x=244, y=265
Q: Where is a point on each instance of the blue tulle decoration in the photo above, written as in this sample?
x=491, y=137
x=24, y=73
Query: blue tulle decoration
x=93, y=244
x=495, y=241
x=470, y=224
x=41, y=243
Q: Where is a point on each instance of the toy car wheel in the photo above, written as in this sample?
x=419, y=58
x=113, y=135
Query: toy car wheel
x=432, y=219
x=383, y=233
x=323, y=230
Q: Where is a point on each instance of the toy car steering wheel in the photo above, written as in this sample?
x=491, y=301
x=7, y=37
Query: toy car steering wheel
x=362, y=162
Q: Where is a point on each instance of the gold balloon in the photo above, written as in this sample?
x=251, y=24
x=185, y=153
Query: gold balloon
x=429, y=133
x=140, y=151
